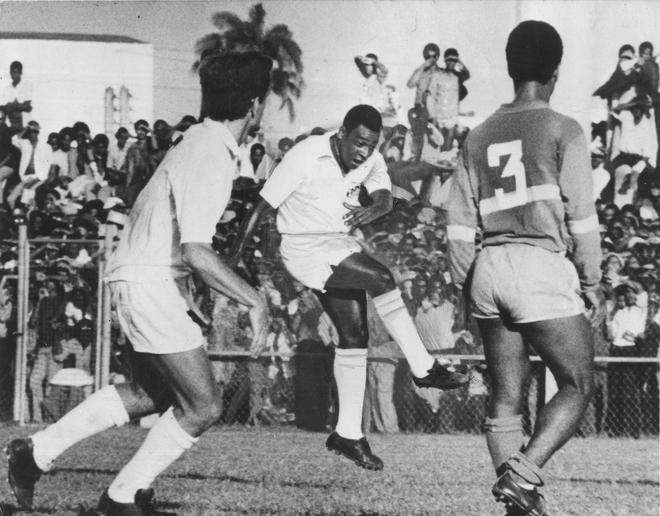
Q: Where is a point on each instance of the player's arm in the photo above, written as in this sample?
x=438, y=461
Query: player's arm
x=359, y=216
x=379, y=187
x=575, y=183
x=461, y=221
x=205, y=262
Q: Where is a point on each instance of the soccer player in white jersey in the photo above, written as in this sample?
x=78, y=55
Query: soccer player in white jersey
x=167, y=238
x=316, y=189
x=525, y=175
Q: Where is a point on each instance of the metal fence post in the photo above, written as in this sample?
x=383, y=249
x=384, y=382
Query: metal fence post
x=20, y=371
x=106, y=309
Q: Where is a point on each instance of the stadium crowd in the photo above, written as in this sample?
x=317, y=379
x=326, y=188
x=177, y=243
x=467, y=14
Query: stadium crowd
x=65, y=186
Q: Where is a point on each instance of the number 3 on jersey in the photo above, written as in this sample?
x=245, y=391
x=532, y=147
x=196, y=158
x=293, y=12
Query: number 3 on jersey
x=506, y=196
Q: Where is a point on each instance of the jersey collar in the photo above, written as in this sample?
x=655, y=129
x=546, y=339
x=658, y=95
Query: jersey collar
x=223, y=134
x=528, y=106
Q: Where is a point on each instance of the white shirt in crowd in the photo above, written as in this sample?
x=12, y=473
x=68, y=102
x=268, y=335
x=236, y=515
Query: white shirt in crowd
x=117, y=156
x=628, y=323
x=246, y=169
x=310, y=190
x=42, y=157
x=22, y=92
x=182, y=203
x=61, y=159
x=637, y=138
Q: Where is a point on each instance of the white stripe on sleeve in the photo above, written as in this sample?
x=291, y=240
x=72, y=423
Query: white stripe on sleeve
x=579, y=227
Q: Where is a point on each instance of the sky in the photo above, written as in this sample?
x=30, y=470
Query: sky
x=332, y=32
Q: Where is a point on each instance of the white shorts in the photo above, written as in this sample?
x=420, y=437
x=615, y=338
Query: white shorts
x=524, y=283
x=154, y=316
x=309, y=257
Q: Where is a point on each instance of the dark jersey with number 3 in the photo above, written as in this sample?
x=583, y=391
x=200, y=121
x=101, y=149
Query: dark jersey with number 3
x=525, y=176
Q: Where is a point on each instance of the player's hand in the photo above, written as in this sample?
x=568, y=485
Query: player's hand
x=359, y=216
x=595, y=301
x=260, y=321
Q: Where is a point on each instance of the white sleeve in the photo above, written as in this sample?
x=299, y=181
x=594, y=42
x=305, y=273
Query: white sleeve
x=201, y=192
x=285, y=179
x=378, y=178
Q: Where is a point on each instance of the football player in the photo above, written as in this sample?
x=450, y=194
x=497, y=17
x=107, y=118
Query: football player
x=525, y=175
x=316, y=189
x=166, y=240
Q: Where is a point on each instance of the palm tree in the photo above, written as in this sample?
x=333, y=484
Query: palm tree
x=236, y=35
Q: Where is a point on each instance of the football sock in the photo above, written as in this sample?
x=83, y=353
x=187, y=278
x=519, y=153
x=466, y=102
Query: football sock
x=350, y=369
x=102, y=410
x=525, y=472
x=504, y=436
x=165, y=442
x=400, y=326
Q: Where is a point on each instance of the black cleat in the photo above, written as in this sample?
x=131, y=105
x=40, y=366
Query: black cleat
x=357, y=450
x=518, y=500
x=440, y=377
x=142, y=507
x=22, y=471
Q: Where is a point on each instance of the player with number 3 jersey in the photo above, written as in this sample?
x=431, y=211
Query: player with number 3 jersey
x=524, y=176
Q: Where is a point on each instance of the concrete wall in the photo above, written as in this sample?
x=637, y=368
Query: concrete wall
x=69, y=78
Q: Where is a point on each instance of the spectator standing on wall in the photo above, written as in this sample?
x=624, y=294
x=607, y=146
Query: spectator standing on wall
x=34, y=165
x=454, y=64
x=374, y=73
x=420, y=81
x=634, y=149
x=17, y=98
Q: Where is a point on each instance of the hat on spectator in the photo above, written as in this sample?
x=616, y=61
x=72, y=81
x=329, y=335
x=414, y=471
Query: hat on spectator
x=33, y=125
x=451, y=54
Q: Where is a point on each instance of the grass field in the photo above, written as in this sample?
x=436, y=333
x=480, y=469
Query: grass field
x=285, y=471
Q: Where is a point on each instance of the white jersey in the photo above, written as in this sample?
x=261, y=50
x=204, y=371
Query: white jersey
x=310, y=190
x=182, y=202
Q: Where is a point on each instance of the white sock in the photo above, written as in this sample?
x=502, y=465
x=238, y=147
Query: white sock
x=350, y=370
x=400, y=326
x=165, y=442
x=102, y=410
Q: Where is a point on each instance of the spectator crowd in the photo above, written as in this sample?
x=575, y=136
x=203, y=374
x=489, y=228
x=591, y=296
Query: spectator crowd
x=65, y=185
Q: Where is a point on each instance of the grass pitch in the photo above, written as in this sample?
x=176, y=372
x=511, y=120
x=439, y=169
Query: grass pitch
x=236, y=471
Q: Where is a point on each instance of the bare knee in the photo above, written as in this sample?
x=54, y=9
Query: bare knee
x=582, y=383
x=203, y=414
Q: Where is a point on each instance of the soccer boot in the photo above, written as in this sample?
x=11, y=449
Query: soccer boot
x=22, y=471
x=357, y=450
x=440, y=377
x=529, y=502
x=142, y=507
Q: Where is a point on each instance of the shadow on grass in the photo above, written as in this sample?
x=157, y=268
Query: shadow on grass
x=265, y=480
x=621, y=481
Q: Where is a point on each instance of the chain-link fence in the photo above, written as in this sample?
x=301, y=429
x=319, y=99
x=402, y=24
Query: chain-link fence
x=69, y=346
x=50, y=327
